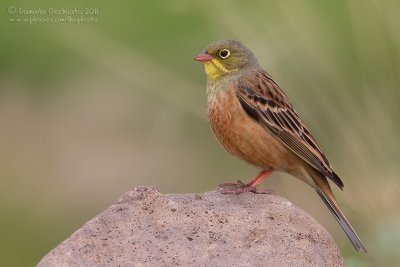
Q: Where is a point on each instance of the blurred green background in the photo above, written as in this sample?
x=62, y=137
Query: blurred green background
x=90, y=110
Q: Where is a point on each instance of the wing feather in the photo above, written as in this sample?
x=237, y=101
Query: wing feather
x=263, y=100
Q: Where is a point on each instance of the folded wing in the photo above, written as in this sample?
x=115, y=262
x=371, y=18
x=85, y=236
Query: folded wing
x=264, y=101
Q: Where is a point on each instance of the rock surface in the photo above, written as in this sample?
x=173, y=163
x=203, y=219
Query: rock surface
x=147, y=228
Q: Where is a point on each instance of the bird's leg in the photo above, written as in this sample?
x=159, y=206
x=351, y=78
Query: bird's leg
x=251, y=186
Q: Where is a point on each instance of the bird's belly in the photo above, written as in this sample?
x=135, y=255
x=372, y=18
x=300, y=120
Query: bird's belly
x=242, y=136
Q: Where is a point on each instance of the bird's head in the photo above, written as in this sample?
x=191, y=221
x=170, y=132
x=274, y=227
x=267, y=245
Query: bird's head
x=225, y=57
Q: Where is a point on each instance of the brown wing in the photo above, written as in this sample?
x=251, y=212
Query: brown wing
x=264, y=101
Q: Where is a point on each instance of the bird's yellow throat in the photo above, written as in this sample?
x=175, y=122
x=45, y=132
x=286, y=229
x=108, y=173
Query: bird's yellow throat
x=214, y=69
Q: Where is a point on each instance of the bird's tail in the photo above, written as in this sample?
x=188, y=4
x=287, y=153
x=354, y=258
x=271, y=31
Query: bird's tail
x=324, y=191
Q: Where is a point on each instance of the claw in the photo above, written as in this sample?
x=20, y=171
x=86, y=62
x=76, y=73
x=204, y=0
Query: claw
x=232, y=184
x=240, y=187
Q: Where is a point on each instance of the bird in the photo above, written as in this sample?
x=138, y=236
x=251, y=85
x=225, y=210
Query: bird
x=254, y=120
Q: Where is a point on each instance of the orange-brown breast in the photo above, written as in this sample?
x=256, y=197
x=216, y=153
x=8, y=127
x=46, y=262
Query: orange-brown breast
x=244, y=137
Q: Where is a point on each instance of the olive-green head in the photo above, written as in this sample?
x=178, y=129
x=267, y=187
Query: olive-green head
x=224, y=57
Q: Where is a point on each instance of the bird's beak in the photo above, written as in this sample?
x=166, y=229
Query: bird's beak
x=203, y=57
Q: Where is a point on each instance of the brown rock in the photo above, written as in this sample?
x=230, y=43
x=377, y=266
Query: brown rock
x=147, y=228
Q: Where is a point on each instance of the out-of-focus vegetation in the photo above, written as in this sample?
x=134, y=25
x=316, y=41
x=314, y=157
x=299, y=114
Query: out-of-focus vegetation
x=89, y=110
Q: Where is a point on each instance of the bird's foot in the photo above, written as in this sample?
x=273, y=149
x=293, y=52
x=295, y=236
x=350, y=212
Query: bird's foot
x=240, y=187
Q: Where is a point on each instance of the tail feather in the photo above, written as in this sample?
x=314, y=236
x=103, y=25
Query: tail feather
x=337, y=180
x=323, y=190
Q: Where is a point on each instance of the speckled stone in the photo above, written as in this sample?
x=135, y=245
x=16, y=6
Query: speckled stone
x=147, y=228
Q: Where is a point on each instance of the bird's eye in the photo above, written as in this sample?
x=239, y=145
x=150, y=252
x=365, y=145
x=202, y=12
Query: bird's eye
x=224, y=53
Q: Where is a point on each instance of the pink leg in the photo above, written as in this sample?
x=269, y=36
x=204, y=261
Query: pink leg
x=251, y=186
